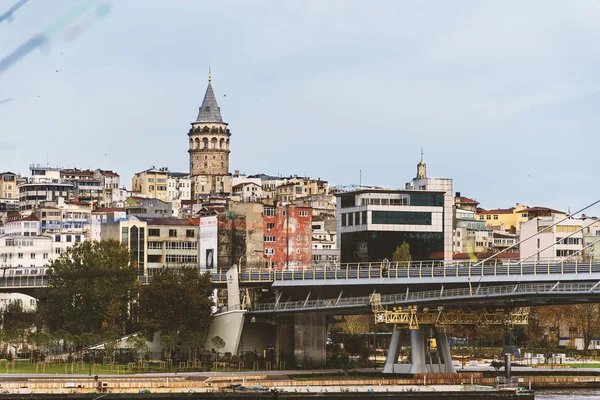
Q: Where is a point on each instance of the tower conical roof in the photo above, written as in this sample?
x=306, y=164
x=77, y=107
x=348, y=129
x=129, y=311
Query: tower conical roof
x=209, y=111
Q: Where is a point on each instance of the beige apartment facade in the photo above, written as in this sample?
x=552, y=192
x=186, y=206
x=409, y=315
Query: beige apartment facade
x=8, y=186
x=152, y=183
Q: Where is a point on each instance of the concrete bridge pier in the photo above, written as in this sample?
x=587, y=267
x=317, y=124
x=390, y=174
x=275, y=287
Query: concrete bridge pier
x=421, y=360
x=301, y=340
x=310, y=338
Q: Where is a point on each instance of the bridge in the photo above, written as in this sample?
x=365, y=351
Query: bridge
x=422, y=296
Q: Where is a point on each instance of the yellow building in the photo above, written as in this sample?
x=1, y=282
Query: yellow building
x=298, y=187
x=152, y=183
x=8, y=186
x=510, y=219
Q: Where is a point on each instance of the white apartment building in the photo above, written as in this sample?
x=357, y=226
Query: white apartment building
x=324, y=242
x=103, y=216
x=29, y=254
x=32, y=195
x=551, y=242
x=179, y=186
x=27, y=226
x=246, y=191
x=109, y=181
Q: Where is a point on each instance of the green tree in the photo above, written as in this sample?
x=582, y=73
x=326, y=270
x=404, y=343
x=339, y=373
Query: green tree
x=217, y=342
x=168, y=343
x=90, y=287
x=586, y=318
x=402, y=253
x=139, y=344
x=177, y=302
x=16, y=318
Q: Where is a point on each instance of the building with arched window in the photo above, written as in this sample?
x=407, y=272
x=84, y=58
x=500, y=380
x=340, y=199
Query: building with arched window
x=209, y=150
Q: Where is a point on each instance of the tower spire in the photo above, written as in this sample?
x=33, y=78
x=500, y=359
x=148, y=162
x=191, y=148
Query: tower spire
x=209, y=110
x=421, y=168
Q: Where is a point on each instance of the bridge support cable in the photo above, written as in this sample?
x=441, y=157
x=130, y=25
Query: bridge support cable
x=339, y=297
x=535, y=234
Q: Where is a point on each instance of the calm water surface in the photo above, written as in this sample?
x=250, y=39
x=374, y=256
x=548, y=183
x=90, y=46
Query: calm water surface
x=567, y=394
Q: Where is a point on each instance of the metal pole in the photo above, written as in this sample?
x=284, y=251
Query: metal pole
x=287, y=237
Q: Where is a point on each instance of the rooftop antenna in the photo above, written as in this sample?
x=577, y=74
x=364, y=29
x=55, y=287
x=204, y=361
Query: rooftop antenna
x=209, y=75
x=360, y=178
x=421, y=153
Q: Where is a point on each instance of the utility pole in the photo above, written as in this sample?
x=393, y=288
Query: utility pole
x=287, y=237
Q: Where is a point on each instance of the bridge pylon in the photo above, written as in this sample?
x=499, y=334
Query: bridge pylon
x=429, y=323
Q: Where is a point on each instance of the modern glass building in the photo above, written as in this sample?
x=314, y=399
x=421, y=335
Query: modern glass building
x=371, y=223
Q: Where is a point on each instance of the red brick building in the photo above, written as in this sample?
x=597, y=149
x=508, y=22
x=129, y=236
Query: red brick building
x=288, y=237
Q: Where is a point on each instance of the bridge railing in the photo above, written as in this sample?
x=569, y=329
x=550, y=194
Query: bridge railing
x=417, y=270
x=432, y=296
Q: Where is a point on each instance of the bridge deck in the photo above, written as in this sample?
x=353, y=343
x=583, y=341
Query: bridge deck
x=485, y=296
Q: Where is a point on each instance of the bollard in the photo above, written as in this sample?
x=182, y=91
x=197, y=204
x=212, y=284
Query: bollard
x=507, y=359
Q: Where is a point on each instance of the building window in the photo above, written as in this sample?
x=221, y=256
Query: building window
x=189, y=233
x=45, y=256
x=364, y=218
x=524, y=215
x=269, y=252
x=68, y=238
x=344, y=220
x=283, y=213
x=269, y=238
x=154, y=232
x=77, y=238
x=57, y=251
x=269, y=212
x=495, y=217
x=125, y=236
x=172, y=232
x=488, y=217
x=271, y=225
x=401, y=217
x=57, y=238
x=33, y=256
x=304, y=213
x=481, y=218
x=350, y=219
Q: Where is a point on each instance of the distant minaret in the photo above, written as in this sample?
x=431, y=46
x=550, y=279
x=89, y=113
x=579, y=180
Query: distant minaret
x=421, y=168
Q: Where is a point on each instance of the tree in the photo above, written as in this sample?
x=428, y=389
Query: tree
x=90, y=287
x=586, y=318
x=356, y=324
x=168, y=344
x=402, y=253
x=217, y=342
x=178, y=303
x=139, y=345
x=552, y=317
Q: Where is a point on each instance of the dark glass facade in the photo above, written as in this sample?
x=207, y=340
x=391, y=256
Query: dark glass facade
x=401, y=217
x=426, y=199
x=375, y=246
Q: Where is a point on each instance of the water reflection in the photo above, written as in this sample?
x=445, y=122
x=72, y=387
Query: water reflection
x=567, y=394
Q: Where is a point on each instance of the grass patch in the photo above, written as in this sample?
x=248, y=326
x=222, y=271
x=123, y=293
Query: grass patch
x=26, y=367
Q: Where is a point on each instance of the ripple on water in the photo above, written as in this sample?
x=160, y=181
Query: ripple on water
x=567, y=394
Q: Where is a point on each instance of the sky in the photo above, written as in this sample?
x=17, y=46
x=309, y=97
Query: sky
x=503, y=97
